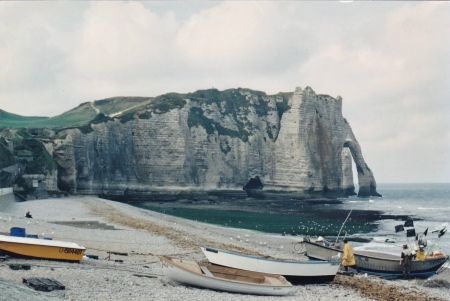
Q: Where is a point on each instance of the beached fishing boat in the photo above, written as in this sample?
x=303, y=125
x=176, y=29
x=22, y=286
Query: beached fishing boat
x=377, y=263
x=40, y=248
x=308, y=271
x=224, y=279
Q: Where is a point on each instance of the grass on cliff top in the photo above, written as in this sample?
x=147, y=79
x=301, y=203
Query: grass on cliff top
x=81, y=115
x=118, y=105
x=14, y=121
x=229, y=101
x=77, y=116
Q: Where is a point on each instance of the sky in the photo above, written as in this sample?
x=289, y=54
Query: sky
x=389, y=61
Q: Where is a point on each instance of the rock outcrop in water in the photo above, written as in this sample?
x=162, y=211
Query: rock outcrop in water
x=296, y=143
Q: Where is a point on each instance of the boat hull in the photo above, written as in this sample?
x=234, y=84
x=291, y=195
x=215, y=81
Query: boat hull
x=185, y=276
x=381, y=264
x=297, y=272
x=41, y=249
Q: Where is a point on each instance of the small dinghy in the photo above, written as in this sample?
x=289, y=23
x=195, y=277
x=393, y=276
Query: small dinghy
x=224, y=279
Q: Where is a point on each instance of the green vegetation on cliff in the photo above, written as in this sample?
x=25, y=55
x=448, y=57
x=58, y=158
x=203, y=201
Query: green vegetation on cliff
x=80, y=115
x=6, y=157
x=158, y=105
x=197, y=118
x=230, y=102
x=167, y=102
x=233, y=102
x=236, y=103
x=117, y=105
x=283, y=106
x=10, y=120
x=42, y=161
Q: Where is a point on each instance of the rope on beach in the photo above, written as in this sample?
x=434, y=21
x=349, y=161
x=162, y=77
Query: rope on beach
x=144, y=254
x=124, y=268
x=179, y=254
x=442, y=268
x=278, y=243
x=301, y=249
x=122, y=253
x=108, y=241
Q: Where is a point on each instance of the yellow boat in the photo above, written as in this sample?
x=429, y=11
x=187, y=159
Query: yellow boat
x=41, y=248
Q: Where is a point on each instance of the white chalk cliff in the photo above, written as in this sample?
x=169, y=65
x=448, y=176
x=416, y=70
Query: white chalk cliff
x=294, y=142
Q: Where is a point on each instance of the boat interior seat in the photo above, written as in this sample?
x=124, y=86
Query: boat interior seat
x=206, y=271
x=189, y=265
x=231, y=271
x=272, y=280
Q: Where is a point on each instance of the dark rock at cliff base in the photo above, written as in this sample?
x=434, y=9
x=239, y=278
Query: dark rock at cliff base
x=254, y=184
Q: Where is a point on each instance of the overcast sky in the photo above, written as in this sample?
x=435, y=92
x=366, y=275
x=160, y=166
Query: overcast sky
x=389, y=61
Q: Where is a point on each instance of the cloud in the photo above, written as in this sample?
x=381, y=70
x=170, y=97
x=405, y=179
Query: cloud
x=122, y=38
x=28, y=52
x=33, y=54
x=388, y=60
x=391, y=72
x=246, y=36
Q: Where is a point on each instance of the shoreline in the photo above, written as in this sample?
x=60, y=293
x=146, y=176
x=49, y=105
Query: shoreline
x=109, y=226
x=294, y=218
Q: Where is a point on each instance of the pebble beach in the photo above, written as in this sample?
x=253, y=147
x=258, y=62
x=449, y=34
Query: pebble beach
x=127, y=242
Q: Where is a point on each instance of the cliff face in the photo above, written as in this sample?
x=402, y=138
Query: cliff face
x=218, y=141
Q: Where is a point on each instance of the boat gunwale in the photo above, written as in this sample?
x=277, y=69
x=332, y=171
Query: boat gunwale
x=322, y=262
x=39, y=242
x=356, y=253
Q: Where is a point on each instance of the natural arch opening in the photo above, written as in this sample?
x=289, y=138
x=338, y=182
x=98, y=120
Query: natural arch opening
x=351, y=153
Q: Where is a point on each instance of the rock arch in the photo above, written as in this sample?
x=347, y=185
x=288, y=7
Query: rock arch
x=366, y=180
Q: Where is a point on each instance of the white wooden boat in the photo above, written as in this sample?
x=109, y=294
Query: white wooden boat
x=40, y=248
x=377, y=263
x=224, y=279
x=297, y=272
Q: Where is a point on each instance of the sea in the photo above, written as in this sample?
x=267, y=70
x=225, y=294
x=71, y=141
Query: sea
x=368, y=223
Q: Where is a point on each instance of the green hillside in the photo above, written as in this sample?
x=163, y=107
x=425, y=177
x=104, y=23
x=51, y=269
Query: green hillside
x=81, y=115
x=13, y=120
x=124, y=108
x=117, y=105
x=77, y=116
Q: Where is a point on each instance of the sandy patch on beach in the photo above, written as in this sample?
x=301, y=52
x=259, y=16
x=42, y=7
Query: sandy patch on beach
x=175, y=235
x=381, y=290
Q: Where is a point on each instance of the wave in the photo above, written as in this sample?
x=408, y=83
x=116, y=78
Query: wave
x=383, y=247
x=433, y=208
